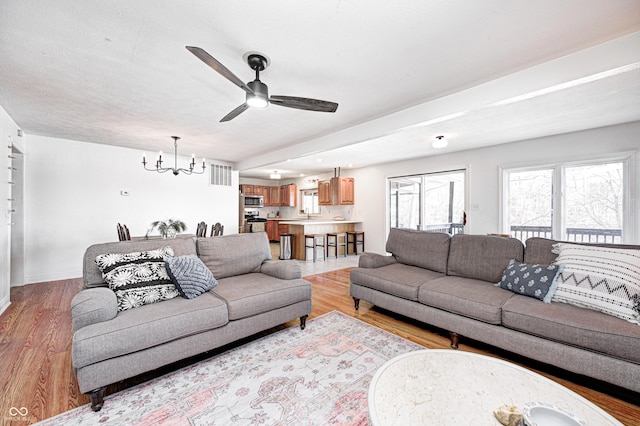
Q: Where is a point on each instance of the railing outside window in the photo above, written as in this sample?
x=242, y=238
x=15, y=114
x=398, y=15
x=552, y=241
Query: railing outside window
x=578, y=235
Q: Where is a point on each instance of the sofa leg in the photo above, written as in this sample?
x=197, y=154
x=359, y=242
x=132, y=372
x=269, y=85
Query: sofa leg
x=356, y=303
x=454, y=339
x=97, y=398
x=303, y=321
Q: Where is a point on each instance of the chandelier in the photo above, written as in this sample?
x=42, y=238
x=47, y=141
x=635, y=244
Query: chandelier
x=175, y=170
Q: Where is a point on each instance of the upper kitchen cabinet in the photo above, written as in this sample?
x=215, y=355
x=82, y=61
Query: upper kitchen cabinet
x=274, y=195
x=288, y=195
x=342, y=190
x=324, y=193
x=248, y=190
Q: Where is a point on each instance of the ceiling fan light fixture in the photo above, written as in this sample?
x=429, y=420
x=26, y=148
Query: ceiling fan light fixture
x=440, y=142
x=260, y=96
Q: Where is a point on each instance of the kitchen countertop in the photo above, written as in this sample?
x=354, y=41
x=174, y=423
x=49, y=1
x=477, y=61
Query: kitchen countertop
x=316, y=221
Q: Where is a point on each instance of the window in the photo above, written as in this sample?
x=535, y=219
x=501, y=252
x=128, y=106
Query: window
x=309, y=201
x=581, y=202
x=431, y=202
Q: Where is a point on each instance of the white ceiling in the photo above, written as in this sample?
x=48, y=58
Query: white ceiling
x=479, y=72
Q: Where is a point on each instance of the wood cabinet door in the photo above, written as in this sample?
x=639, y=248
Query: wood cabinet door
x=288, y=195
x=274, y=195
x=346, y=190
x=247, y=189
x=272, y=230
x=324, y=193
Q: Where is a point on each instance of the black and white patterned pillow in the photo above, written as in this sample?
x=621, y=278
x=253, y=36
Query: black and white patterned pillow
x=535, y=280
x=604, y=279
x=138, y=278
x=190, y=276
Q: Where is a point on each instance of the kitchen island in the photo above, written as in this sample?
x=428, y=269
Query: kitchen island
x=301, y=227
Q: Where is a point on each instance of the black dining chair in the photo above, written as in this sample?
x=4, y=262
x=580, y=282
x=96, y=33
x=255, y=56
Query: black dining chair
x=201, y=229
x=217, y=230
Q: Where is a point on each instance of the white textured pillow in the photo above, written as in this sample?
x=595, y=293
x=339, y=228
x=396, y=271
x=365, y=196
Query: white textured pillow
x=599, y=278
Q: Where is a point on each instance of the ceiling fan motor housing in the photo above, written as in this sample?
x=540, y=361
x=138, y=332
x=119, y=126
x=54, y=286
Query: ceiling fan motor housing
x=260, y=97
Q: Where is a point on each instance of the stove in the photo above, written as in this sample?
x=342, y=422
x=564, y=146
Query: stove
x=253, y=222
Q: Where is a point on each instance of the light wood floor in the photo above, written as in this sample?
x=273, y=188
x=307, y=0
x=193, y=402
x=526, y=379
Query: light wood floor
x=35, y=350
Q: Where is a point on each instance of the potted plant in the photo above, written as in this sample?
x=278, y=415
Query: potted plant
x=168, y=228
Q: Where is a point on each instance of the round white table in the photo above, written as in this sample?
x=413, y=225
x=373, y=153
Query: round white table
x=450, y=387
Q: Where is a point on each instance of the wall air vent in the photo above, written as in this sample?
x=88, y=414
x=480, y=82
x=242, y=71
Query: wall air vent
x=220, y=175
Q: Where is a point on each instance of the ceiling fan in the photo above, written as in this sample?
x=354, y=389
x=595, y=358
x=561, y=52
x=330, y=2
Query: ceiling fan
x=257, y=93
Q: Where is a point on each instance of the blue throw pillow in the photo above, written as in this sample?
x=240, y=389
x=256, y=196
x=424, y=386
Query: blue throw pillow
x=190, y=276
x=537, y=281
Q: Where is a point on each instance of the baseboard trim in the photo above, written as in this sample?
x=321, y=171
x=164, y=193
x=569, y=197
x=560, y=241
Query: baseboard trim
x=4, y=304
x=34, y=279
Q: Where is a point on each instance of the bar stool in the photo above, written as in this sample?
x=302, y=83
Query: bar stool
x=313, y=242
x=355, y=239
x=336, y=240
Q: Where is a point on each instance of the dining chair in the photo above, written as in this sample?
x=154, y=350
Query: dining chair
x=201, y=230
x=217, y=230
x=123, y=232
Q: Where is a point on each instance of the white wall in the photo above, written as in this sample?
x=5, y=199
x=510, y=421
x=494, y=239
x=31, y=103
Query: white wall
x=8, y=136
x=483, y=177
x=72, y=200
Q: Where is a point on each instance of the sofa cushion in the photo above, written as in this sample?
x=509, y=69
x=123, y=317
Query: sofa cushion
x=396, y=279
x=190, y=276
x=533, y=280
x=92, y=277
x=601, y=278
x=138, y=278
x=252, y=294
x=428, y=250
x=471, y=298
x=147, y=326
x=575, y=326
x=234, y=254
x=482, y=257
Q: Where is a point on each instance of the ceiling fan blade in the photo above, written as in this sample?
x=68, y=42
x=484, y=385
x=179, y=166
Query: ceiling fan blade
x=304, y=103
x=236, y=112
x=217, y=66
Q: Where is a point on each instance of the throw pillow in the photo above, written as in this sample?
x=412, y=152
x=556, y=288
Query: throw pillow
x=604, y=279
x=537, y=281
x=190, y=276
x=137, y=278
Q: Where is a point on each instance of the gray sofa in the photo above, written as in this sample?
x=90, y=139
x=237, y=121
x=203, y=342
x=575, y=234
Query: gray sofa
x=253, y=294
x=449, y=282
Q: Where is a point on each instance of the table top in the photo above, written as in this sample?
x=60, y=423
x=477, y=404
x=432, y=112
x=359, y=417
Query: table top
x=443, y=386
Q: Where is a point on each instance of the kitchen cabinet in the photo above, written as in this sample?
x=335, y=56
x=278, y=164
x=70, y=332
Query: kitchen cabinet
x=247, y=189
x=342, y=189
x=324, y=193
x=274, y=195
x=282, y=229
x=272, y=230
x=338, y=191
x=288, y=195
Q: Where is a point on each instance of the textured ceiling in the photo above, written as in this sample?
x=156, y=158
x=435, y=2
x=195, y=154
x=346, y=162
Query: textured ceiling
x=479, y=72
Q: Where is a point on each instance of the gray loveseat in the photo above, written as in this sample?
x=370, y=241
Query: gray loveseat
x=253, y=294
x=449, y=282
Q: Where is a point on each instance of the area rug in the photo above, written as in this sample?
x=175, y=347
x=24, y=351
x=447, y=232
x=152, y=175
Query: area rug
x=316, y=376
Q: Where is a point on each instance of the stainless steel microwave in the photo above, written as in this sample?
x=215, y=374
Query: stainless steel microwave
x=252, y=201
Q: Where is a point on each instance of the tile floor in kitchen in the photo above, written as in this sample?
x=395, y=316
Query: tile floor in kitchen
x=330, y=264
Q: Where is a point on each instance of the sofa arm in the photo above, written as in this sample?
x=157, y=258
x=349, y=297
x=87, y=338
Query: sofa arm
x=283, y=269
x=374, y=260
x=92, y=306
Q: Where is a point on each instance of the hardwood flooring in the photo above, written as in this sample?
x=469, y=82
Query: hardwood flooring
x=35, y=350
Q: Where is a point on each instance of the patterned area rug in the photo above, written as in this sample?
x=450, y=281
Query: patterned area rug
x=316, y=376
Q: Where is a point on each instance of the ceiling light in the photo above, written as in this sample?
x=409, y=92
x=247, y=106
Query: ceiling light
x=256, y=101
x=260, y=96
x=440, y=142
x=175, y=170
x=275, y=175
